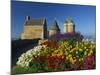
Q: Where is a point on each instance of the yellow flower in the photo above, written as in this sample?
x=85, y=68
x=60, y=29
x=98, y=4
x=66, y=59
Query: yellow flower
x=72, y=50
x=79, y=59
x=85, y=53
x=90, y=53
x=80, y=49
x=66, y=53
x=94, y=46
x=84, y=47
x=76, y=48
x=56, y=51
x=70, y=55
x=61, y=53
x=66, y=57
x=70, y=46
x=72, y=61
x=53, y=54
x=82, y=59
x=76, y=52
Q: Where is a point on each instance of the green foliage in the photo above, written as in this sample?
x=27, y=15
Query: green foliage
x=35, y=66
x=19, y=70
x=48, y=69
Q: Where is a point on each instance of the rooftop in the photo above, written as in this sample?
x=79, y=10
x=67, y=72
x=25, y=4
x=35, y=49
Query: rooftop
x=35, y=21
x=54, y=26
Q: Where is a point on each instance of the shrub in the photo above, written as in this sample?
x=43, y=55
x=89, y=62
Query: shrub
x=19, y=70
x=76, y=36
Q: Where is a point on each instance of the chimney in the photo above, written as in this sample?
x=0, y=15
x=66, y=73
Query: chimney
x=27, y=18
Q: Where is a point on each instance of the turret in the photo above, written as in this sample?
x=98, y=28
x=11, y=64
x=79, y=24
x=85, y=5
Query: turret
x=69, y=26
x=54, y=29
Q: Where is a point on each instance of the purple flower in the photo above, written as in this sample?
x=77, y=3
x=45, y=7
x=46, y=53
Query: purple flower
x=89, y=62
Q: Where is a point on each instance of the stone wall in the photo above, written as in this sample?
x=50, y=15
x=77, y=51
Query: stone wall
x=69, y=28
x=53, y=32
x=33, y=32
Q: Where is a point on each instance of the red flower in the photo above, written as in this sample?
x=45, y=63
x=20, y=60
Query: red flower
x=50, y=44
x=56, y=62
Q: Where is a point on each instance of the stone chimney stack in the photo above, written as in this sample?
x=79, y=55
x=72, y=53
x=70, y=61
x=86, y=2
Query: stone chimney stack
x=27, y=18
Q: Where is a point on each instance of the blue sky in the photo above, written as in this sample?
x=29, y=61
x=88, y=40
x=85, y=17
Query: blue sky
x=83, y=16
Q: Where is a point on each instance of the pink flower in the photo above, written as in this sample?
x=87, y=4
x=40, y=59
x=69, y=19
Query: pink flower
x=89, y=62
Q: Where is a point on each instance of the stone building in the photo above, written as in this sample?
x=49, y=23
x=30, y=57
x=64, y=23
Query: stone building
x=34, y=28
x=54, y=29
x=69, y=26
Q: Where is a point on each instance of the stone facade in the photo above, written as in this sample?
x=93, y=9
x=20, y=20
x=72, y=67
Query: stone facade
x=53, y=32
x=54, y=29
x=34, y=29
x=69, y=26
x=32, y=32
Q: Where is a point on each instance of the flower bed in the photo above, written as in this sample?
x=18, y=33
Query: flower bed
x=62, y=55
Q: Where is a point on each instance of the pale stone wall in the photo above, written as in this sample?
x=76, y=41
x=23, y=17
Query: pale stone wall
x=69, y=28
x=33, y=32
x=53, y=32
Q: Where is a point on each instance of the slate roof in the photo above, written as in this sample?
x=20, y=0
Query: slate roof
x=69, y=20
x=55, y=26
x=35, y=21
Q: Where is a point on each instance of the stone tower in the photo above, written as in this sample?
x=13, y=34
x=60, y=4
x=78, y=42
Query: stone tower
x=54, y=29
x=34, y=28
x=69, y=26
